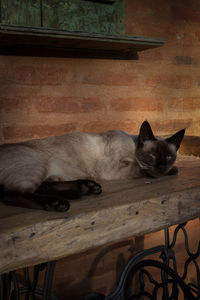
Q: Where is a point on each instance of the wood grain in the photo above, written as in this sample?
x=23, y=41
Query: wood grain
x=16, y=40
x=126, y=208
x=77, y=40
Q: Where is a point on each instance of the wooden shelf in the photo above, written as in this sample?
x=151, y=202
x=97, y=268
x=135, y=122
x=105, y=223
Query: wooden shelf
x=124, y=209
x=43, y=42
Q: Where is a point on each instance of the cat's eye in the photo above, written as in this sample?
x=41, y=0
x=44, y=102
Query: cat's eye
x=169, y=157
x=125, y=163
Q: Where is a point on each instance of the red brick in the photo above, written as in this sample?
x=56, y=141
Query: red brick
x=146, y=6
x=170, y=126
x=137, y=104
x=153, y=80
x=69, y=104
x=142, y=27
x=170, y=81
x=198, y=82
x=179, y=34
x=185, y=13
x=1, y=136
x=175, y=104
x=153, y=23
x=101, y=126
x=197, y=35
x=31, y=75
x=36, y=131
x=178, y=82
x=182, y=60
x=191, y=104
x=14, y=104
x=149, y=55
x=110, y=78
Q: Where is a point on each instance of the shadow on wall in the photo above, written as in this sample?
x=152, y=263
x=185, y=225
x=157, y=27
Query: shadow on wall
x=100, y=270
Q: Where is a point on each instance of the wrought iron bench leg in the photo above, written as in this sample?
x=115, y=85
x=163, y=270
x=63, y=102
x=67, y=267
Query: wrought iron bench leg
x=5, y=287
x=170, y=282
x=12, y=288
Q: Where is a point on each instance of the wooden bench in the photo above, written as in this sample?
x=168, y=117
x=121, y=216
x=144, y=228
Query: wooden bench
x=124, y=209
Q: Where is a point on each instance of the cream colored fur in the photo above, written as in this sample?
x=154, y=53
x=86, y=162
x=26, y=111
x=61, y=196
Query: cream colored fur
x=109, y=155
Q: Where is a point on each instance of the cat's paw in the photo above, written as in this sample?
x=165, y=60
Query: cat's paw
x=56, y=204
x=89, y=187
x=172, y=171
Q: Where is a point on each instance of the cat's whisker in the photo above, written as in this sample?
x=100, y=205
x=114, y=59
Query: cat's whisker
x=142, y=166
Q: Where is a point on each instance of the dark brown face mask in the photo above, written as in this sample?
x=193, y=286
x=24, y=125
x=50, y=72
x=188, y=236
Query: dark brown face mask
x=156, y=156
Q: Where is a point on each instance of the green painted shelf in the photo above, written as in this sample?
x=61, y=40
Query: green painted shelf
x=18, y=40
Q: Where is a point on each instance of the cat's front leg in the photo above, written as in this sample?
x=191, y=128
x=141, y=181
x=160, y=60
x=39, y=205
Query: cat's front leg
x=172, y=171
x=70, y=189
x=34, y=200
x=51, y=202
x=51, y=196
x=54, y=195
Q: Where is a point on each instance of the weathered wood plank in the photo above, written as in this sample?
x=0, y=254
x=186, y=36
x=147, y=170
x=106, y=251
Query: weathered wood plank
x=85, y=16
x=74, y=39
x=30, y=41
x=128, y=208
x=25, y=13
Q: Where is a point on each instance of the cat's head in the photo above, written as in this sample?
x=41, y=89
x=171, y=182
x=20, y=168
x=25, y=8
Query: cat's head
x=154, y=155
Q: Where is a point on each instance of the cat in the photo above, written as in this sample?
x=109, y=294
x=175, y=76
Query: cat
x=50, y=171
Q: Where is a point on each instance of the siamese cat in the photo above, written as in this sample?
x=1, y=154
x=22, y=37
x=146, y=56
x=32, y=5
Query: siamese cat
x=51, y=171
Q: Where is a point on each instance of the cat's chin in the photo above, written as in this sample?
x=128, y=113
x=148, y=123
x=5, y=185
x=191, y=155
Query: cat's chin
x=152, y=174
x=155, y=175
x=172, y=171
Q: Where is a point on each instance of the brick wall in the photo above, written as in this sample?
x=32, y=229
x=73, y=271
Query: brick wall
x=51, y=96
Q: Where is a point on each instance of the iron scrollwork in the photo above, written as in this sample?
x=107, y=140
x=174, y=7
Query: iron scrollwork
x=138, y=281
x=12, y=288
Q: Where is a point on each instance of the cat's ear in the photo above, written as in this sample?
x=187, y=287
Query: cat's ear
x=146, y=133
x=176, y=138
